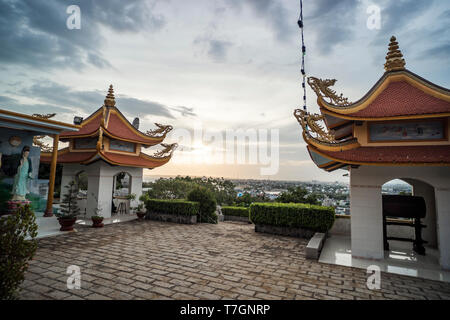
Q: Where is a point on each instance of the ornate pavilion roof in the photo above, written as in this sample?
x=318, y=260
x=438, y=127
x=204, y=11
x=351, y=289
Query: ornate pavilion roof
x=398, y=95
x=114, y=124
x=108, y=121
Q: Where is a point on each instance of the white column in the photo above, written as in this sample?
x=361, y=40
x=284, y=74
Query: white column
x=102, y=188
x=443, y=225
x=93, y=192
x=136, y=184
x=426, y=191
x=366, y=216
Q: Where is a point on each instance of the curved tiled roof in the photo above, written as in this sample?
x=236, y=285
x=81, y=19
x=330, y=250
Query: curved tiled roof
x=65, y=156
x=88, y=126
x=115, y=126
x=119, y=127
x=401, y=98
x=396, y=94
x=141, y=161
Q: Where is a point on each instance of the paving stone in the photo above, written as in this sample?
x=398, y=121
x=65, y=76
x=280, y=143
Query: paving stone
x=162, y=291
x=96, y=296
x=58, y=295
x=157, y=260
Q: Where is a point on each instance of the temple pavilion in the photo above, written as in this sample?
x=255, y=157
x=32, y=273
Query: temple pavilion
x=398, y=130
x=105, y=146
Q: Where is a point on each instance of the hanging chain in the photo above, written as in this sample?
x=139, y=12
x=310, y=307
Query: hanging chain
x=301, y=26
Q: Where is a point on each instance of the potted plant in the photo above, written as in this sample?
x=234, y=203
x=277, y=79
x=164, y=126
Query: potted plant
x=97, y=219
x=69, y=208
x=131, y=197
x=140, y=212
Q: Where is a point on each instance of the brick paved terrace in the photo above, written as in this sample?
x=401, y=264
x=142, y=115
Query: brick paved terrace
x=156, y=260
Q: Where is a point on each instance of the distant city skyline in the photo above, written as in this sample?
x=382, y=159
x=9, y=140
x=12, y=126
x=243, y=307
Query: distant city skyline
x=219, y=64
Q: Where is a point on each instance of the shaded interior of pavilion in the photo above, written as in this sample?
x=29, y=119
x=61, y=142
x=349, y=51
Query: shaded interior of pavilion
x=400, y=257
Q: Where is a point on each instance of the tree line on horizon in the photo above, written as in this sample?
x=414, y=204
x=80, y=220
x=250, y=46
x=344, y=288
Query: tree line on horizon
x=223, y=191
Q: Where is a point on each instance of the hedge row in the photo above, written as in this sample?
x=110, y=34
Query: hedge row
x=235, y=211
x=178, y=207
x=296, y=215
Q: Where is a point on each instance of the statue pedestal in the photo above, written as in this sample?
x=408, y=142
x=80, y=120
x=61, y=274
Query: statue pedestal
x=14, y=204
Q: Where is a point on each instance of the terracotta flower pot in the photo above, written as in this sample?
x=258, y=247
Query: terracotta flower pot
x=140, y=215
x=97, y=222
x=66, y=223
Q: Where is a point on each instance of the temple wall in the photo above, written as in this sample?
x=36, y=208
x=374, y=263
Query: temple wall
x=427, y=192
x=366, y=205
x=361, y=133
x=100, y=184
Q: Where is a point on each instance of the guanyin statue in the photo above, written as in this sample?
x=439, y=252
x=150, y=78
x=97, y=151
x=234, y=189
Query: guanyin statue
x=23, y=173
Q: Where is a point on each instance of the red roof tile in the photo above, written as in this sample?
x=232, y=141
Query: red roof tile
x=142, y=160
x=64, y=156
x=117, y=127
x=86, y=128
x=401, y=98
x=135, y=161
x=402, y=154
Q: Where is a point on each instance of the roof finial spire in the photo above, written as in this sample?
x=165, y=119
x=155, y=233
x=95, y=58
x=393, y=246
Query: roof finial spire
x=394, y=57
x=109, y=101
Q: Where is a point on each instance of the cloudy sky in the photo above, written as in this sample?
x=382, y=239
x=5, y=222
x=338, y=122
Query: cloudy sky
x=215, y=64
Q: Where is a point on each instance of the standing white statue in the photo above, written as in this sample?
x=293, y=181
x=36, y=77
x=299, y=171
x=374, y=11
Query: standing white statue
x=23, y=173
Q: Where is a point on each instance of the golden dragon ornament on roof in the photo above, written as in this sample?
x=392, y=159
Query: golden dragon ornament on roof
x=322, y=89
x=37, y=140
x=160, y=132
x=167, y=151
x=311, y=126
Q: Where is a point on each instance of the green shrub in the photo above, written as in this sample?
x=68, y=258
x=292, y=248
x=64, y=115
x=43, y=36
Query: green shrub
x=69, y=205
x=15, y=249
x=176, y=207
x=294, y=215
x=5, y=195
x=236, y=211
x=208, y=204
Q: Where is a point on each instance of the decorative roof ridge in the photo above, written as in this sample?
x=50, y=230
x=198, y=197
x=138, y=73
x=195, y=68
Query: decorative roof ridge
x=167, y=152
x=49, y=154
x=315, y=134
x=105, y=156
x=92, y=115
x=339, y=146
x=322, y=89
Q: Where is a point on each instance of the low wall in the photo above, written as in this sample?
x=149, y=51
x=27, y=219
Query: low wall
x=171, y=218
x=284, y=231
x=235, y=218
x=342, y=226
